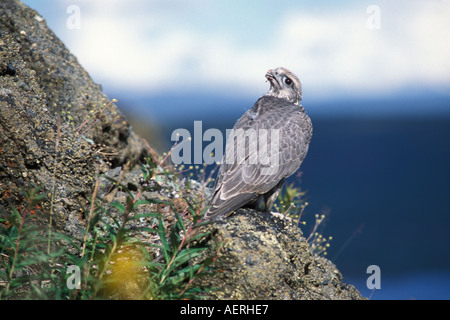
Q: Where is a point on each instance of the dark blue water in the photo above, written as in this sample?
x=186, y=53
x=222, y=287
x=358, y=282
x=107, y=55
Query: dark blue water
x=387, y=184
x=384, y=183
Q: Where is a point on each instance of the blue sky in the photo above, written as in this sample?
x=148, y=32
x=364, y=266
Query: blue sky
x=354, y=48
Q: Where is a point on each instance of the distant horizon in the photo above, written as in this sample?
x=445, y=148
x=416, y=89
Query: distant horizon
x=407, y=104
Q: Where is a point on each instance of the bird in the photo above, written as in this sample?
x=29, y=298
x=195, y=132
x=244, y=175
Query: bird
x=284, y=123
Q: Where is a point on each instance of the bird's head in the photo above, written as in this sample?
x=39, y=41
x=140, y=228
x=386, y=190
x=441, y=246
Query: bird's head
x=284, y=84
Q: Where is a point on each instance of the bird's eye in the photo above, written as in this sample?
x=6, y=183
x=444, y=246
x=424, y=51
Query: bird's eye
x=288, y=81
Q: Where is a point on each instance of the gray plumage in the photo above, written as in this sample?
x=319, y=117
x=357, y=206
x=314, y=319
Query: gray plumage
x=247, y=182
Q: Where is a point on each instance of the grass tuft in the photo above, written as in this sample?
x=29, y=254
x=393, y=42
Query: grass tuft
x=141, y=246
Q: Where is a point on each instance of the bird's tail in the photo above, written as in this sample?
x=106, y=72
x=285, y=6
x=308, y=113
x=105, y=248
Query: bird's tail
x=220, y=208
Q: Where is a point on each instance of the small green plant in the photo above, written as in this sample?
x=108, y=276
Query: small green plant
x=319, y=244
x=292, y=204
x=129, y=249
x=24, y=260
x=198, y=183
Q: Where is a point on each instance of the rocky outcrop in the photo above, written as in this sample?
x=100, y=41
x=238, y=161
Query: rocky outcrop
x=57, y=128
x=59, y=131
x=267, y=257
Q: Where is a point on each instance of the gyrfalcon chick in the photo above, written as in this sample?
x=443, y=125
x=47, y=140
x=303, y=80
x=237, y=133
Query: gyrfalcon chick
x=276, y=122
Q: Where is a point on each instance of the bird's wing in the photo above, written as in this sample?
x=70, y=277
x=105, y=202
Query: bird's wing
x=240, y=182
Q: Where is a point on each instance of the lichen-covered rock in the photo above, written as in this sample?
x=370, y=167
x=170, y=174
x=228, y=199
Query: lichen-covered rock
x=266, y=257
x=57, y=128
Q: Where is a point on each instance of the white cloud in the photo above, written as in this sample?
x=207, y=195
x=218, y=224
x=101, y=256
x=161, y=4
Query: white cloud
x=336, y=51
x=132, y=46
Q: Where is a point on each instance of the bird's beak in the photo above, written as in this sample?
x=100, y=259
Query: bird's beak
x=270, y=76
